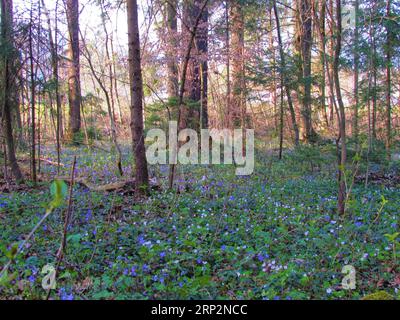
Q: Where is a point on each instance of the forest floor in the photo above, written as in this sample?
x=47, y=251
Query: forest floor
x=272, y=235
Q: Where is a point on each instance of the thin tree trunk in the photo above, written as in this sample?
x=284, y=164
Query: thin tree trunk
x=33, y=85
x=285, y=77
x=372, y=70
x=305, y=38
x=388, y=47
x=172, y=28
x=342, y=115
x=329, y=64
x=356, y=72
x=202, y=48
x=228, y=120
x=114, y=67
x=322, y=43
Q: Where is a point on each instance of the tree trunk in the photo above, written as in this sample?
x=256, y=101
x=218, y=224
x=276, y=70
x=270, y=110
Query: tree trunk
x=196, y=80
x=8, y=86
x=238, y=105
x=285, y=77
x=356, y=72
x=305, y=38
x=342, y=115
x=322, y=44
x=172, y=67
x=33, y=88
x=202, y=48
x=374, y=79
x=74, y=91
x=227, y=120
x=136, y=88
x=182, y=88
x=388, y=49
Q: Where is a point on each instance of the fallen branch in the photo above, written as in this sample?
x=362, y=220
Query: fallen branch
x=63, y=245
x=53, y=163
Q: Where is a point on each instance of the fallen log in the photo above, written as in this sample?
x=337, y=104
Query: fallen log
x=45, y=160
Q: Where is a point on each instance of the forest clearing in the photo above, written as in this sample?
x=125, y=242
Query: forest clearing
x=203, y=150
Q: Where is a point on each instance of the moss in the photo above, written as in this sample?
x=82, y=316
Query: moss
x=379, y=295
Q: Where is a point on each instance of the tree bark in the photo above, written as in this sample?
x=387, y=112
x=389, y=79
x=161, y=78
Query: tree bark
x=238, y=105
x=202, y=48
x=8, y=86
x=356, y=59
x=136, y=89
x=342, y=115
x=305, y=38
x=33, y=88
x=197, y=70
x=285, y=77
x=172, y=67
x=184, y=78
x=388, y=49
x=74, y=91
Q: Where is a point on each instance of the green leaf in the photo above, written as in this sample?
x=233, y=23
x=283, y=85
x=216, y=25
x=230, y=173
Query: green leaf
x=74, y=238
x=59, y=191
x=104, y=294
x=392, y=237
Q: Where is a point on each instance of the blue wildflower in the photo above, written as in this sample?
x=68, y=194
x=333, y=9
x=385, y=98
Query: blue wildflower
x=145, y=268
x=32, y=278
x=141, y=240
x=65, y=296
